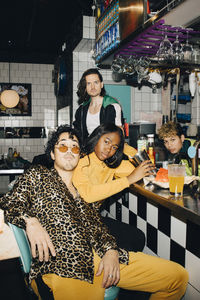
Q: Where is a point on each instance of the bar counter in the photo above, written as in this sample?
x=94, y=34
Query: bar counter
x=11, y=173
x=172, y=228
x=187, y=208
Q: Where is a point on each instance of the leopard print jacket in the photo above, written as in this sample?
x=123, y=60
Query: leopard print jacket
x=74, y=226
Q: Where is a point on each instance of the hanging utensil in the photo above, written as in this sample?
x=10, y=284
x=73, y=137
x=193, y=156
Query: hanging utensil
x=177, y=86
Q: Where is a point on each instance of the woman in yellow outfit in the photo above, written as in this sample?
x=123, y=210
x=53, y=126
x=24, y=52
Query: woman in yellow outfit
x=94, y=180
x=104, y=170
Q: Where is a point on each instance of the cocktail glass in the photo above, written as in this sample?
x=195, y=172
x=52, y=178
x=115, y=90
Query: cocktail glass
x=176, y=174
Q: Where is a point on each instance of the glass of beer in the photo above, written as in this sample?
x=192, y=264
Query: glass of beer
x=176, y=174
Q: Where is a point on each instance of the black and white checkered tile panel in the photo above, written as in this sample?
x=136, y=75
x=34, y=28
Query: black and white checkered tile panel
x=166, y=235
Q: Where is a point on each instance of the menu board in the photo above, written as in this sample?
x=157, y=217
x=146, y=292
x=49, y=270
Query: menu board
x=107, y=30
x=116, y=22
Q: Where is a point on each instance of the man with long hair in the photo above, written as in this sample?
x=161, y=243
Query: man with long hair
x=95, y=106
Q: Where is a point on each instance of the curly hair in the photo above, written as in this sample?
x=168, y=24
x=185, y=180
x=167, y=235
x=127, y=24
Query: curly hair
x=54, y=137
x=170, y=129
x=115, y=160
x=81, y=92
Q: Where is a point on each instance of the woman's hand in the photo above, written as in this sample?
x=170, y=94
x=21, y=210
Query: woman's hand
x=39, y=238
x=110, y=265
x=144, y=169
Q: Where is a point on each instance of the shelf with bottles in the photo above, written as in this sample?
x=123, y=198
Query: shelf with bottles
x=108, y=42
x=22, y=132
x=183, y=98
x=183, y=118
x=109, y=17
x=103, y=7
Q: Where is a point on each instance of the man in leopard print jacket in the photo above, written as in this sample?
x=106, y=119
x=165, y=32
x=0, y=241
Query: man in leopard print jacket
x=72, y=250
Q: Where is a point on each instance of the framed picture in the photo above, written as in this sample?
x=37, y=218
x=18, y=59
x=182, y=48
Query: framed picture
x=23, y=108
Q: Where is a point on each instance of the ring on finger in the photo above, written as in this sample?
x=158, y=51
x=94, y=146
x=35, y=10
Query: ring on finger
x=110, y=276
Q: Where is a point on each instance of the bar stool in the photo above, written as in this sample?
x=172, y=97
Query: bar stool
x=111, y=293
x=24, y=247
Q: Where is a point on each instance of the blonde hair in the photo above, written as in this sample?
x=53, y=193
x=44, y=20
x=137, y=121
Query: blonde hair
x=170, y=129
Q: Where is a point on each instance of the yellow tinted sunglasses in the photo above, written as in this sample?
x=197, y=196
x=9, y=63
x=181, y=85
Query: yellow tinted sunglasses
x=63, y=149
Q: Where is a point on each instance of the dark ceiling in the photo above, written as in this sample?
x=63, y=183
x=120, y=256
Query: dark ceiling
x=34, y=31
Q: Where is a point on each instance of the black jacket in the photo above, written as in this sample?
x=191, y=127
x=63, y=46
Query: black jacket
x=107, y=115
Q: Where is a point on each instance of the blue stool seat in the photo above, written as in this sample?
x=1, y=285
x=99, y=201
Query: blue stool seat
x=111, y=293
x=24, y=247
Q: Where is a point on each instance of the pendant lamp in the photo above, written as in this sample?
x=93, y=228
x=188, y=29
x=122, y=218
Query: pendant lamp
x=9, y=98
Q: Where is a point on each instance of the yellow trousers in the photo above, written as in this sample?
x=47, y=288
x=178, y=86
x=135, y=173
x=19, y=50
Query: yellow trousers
x=162, y=278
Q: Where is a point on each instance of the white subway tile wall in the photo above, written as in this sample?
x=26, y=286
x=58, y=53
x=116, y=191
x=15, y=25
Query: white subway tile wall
x=43, y=108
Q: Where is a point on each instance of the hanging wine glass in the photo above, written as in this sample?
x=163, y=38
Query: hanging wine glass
x=165, y=49
x=177, y=50
x=187, y=50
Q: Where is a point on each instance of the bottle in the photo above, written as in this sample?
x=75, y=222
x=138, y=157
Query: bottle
x=2, y=159
x=150, y=146
x=165, y=119
x=10, y=153
x=126, y=128
x=15, y=154
x=142, y=143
